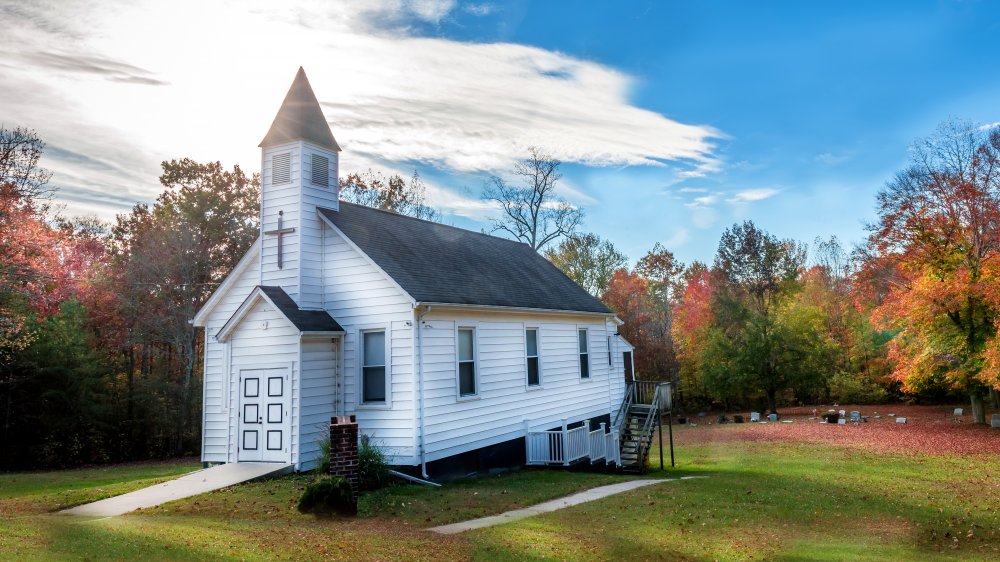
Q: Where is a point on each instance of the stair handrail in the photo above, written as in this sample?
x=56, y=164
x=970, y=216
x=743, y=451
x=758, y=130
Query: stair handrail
x=627, y=400
x=646, y=435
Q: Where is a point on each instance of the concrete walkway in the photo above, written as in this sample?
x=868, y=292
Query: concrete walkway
x=192, y=484
x=552, y=505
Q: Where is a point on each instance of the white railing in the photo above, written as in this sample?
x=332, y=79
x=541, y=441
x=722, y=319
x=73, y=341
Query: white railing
x=613, y=449
x=545, y=447
x=577, y=446
x=563, y=446
x=598, y=444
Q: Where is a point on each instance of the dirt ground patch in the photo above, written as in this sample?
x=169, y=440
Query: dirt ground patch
x=928, y=430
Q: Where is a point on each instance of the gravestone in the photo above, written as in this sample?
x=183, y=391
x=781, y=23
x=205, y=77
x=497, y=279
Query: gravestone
x=755, y=416
x=856, y=417
x=843, y=413
x=900, y=420
x=995, y=421
x=772, y=417
x=841, y=421
x=959, y=411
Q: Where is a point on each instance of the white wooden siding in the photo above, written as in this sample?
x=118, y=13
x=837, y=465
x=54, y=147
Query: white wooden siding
x=254, y=345
x=319, y=397
x=311, y=230
x=286, y=198
x=454, y=426
x=361, y=297
x=215, y=426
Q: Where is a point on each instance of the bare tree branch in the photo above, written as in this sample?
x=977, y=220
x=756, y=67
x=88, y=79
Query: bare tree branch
x=531, y=212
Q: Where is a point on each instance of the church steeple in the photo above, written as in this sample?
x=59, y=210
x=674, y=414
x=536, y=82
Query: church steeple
x=300, y=118
x=298, y=175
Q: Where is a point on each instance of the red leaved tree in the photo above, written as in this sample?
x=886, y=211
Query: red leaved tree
x=931, y=256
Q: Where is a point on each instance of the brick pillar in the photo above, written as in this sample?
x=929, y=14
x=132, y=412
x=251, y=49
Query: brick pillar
x=344, y=449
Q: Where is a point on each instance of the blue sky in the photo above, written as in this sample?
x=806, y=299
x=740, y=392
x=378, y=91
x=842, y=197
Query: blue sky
x=674, y=119
x=817, y=101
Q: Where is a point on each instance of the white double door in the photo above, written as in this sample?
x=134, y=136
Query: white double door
x=264, y=428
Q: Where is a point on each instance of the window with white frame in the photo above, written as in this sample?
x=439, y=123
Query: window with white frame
x=373, y=379
x=467, y=362
x=531, y=355
x=584, y=354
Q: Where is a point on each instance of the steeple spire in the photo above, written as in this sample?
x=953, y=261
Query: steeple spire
x=300, y=118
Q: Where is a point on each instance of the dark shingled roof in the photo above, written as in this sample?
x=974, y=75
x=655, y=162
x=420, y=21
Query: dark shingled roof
x=304, y=320
x=300, y=118
x=436, y=263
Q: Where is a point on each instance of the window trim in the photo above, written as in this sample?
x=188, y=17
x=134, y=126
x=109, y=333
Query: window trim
x=360, y=361
x=589, y=353
x=475, y=364
x=538, y=357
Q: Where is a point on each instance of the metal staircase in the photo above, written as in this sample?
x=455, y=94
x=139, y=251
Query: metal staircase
x=624, y=445
x=637, y=420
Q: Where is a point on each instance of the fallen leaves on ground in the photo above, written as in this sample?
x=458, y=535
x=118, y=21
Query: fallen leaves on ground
x=928, y=430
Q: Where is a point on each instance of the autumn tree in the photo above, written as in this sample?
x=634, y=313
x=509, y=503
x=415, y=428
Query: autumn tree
x=530, y=209
x=167, y=259
x=642, y=299
x=394, y=194
x=20, y=151
x=691, y=327
x=756, y=272
x=628, y=296
x=587, y=259
x=934, y=249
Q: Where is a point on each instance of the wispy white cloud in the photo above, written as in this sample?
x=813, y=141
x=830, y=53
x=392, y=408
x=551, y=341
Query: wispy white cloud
x=988, y=126
x=752, y=195
x=482, y=9
x=148, y=81
x=831, y=159
x=692, y=190
x=703, y=201
x=678, y=238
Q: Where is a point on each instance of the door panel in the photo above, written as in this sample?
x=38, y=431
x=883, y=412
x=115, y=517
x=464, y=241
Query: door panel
x=264, y=424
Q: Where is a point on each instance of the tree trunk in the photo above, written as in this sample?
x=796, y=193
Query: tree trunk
x=994, y=399
x=772, y=402
x=978, y=407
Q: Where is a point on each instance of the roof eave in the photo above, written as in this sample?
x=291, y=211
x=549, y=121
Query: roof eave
x=322, y=334
x=517, y=309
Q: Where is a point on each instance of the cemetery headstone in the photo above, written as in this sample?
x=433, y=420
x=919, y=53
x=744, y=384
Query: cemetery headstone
x=772, y=417
x=856, y=417
x=841, y=421
x=755, y=416
x=900, y=420
x=995, y=421
x=959, y=411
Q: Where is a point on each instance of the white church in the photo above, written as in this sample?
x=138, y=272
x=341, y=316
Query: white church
x=448, y=345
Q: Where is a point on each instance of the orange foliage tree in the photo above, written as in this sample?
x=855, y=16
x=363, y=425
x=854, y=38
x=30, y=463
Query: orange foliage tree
x=932, y=258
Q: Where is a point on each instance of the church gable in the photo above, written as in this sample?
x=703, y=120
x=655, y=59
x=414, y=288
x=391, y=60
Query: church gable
x=275, y=298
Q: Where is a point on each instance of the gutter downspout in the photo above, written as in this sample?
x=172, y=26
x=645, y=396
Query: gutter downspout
x=420, y=384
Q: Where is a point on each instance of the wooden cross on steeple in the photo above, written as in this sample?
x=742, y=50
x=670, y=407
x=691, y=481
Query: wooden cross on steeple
x=279, y=232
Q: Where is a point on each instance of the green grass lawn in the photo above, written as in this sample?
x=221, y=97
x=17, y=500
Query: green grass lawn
x=775, y=501
x=779, y=501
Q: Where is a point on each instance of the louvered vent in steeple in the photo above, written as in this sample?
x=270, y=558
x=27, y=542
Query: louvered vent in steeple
x=320, y=170
x=281, y=168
